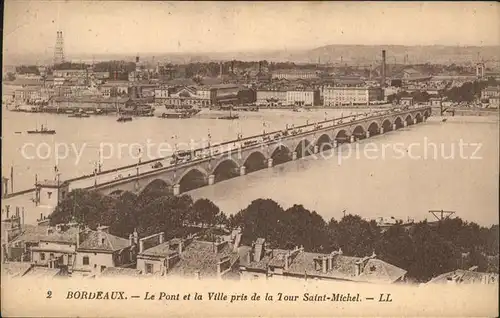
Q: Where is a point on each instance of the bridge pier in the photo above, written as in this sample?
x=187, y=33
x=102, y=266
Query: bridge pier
x=270, y=162
x=316, y=149
x=394, y=127
x=352, y=138
x=177, y=189
x=405, y=124
x=367, y=134
x=243, y=170
x=335, y=144
x=381, y=130
x=294, y=155
x=211, y=179
x=415, y=121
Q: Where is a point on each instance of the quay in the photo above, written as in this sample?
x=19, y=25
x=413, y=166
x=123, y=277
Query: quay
x=200, y=167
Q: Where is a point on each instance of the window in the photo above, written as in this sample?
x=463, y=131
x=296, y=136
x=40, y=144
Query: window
x=103, y=268
x=42, y=256
x=149, y=268
x=51, y=255
x=86, y=260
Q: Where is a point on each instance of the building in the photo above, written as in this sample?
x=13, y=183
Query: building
x=215, y=256
x=187, y=96
x=294, y=74
x=302, y=97
x=114, y=88
x=470, y=276
x=436, y=102
x=101, y=250
x=91, y=103
x=335, y=96
x=271, y=98
x=58, y=248
x=406, y=101
x=264, y=263
x=491, y=94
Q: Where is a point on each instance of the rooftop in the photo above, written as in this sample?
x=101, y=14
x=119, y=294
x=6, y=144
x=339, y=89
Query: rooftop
x=15, y=269
x=120, y=271
x=199, y=256
x=40, y=272
x=111, y=242
x=160, y=250
x=461, y=276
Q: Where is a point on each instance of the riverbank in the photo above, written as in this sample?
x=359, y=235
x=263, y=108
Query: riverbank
x=467, y=112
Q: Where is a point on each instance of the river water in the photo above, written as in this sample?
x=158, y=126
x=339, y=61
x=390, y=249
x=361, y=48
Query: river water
x=385, y=182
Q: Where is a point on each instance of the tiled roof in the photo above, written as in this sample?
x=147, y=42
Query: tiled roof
x=378, y=270
x=15, y=269
x=40, y=272
x=343, y=267
x=111, y=242
x=160, y=250
x=35, y=234
x=465, y=277
x=120, y=271
x=200, y=256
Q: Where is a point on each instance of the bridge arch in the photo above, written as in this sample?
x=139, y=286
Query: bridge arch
x=281, y=154
x=342, y=136
x=398, y=121
x=304, y=148
x=409, y=119
x=324, y=142
x=157, y=185
x=225, y=169
x=387, y=125
x=373, y=128
x=192, y=179
x=359, y=132
x=418, y=117
x=256, y=160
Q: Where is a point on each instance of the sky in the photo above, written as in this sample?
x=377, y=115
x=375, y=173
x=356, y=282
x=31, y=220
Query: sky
x=103, y=27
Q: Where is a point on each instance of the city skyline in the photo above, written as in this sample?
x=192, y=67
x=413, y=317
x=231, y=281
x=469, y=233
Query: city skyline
x=137, y=27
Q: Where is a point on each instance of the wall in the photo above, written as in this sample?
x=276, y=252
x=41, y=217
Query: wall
x=96, y=260
x=157, y=264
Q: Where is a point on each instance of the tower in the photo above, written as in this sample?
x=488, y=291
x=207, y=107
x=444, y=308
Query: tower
x=382, y=80
x=59, y=49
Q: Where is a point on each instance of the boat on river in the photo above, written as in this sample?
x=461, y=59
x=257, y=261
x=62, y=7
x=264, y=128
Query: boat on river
x=123, y=119
x=43, y=131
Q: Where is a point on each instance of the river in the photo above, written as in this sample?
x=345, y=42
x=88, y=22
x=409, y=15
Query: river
x=388, y=185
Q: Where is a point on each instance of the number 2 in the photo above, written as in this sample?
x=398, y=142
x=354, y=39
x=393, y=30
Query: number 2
x=49, y=294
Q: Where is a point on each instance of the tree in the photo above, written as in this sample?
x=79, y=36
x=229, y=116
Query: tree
x=354, y=235
x=260, y=219
x=205, y=212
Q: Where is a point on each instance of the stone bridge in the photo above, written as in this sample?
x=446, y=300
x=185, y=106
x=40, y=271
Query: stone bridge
x=236, y=158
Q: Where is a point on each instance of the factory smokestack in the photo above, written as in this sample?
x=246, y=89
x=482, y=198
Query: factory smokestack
x=382, y=80
x=220, y=70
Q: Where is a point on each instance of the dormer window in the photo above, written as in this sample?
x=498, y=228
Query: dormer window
x=102, y=241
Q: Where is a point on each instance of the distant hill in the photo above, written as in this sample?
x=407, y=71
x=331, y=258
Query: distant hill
x=334, y=54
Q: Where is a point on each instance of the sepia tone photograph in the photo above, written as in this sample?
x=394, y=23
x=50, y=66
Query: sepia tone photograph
x=208, y=159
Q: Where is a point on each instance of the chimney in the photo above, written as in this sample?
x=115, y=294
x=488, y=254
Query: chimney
x=259, y=249
x=78, y=239
x=131, y=239
x=382, y=80
x=141, y=246
x=220, y=70
x=180, y=247
x=287, y=260
x=22, y=220
x=162, y=238
x=136, y=237
x=357, y=268
x=324, y=267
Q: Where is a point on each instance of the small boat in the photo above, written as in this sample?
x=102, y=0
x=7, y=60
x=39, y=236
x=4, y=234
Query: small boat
x=17, y=132
x=79, y=115
x=43, y=130
x=230, y=117
x=123, y=119
x=444, y=119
